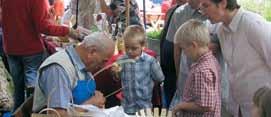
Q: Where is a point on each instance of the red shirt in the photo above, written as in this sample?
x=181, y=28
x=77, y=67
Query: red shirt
x=23, y=23
x=164, y=7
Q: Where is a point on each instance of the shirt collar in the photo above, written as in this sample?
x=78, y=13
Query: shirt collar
x=235, y=21
x=142, y=56
x=76, y=60
x=203, y=57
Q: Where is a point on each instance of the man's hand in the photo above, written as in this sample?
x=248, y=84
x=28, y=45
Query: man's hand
x=75, y=34
x=98, y=100
x=52, y=13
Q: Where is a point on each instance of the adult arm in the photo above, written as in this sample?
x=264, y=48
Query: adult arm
x=57, y=89
x=40, y=16
x=156, y=71
x=259, y=37
x=178, y=18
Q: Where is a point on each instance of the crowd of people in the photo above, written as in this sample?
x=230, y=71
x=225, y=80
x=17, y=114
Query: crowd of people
x=214, y=58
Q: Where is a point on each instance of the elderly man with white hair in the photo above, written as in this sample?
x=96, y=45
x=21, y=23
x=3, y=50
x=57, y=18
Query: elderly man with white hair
x=67, y=75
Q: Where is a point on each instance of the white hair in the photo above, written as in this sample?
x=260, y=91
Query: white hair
x=98, y=39
x=192, y=30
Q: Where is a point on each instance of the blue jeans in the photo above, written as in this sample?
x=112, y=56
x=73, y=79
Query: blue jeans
x=23, y=70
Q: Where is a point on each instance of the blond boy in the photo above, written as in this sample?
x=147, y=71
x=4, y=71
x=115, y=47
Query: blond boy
x=201, y=97
x=138, y=78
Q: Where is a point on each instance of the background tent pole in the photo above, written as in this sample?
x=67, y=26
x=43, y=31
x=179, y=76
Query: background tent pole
x=144, y=13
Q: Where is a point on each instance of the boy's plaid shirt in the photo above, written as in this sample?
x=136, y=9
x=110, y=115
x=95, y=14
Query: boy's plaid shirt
x=137, y=82
x=203, y=86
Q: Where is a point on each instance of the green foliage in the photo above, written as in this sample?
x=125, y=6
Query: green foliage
x=262, y=7
x=154, y=34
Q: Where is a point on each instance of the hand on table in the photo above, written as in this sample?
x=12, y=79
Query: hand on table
x=76, y=34
x=98, y=99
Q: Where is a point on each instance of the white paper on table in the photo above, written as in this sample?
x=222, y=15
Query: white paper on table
x=92, y=111
x=116, y=111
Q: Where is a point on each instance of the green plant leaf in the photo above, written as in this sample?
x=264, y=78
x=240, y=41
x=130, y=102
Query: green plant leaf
x=154, y=34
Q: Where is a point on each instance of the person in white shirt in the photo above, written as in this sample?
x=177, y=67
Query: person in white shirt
x=245, y=40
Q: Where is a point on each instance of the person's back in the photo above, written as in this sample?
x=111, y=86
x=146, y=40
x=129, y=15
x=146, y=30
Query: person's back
x=20, y=10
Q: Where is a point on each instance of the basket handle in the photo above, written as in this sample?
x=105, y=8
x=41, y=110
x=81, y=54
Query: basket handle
x=50, y=109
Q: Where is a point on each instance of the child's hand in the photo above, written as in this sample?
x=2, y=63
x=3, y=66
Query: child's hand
x=116, y=68
x=176, y=113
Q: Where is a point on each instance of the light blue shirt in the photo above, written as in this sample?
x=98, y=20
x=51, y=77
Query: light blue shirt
x=137, y=82
x=55, y=83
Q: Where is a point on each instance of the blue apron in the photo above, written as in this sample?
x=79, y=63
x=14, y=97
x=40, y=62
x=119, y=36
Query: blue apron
x=83, y=91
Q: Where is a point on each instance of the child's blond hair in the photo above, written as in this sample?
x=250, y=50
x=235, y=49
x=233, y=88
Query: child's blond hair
x=192, y=30
x=262, y=100
x=135, y=32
